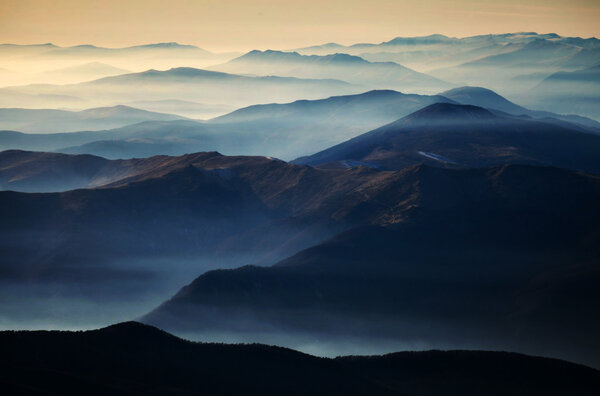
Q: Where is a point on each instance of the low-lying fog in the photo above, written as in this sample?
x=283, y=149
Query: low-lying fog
x=119, y=290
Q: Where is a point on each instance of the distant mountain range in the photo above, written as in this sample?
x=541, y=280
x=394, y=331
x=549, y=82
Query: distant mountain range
x=50, y=50
x=573, y=91
x=184, y=82
x=82, y=72
x=91, y=68
x=539, y=54
x=512, y=63
x=137, y=140
x=48, y=121
x=353, y=69
x=184, y=108
x=489, y=99
x=281, y=130
x=119, y=358
x=52, y=64
x=439, y=50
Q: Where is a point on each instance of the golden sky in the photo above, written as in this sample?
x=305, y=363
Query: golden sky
x=245, y=24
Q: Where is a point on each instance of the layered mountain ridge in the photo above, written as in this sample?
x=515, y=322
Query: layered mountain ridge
x=464, y=136
x=285, y=131
x=498, y=253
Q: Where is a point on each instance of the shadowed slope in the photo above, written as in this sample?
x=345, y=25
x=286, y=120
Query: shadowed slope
x=491, y=257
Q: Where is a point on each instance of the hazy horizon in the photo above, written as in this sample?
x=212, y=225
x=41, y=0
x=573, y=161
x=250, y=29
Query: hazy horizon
x=242, y=26
x=259, y=48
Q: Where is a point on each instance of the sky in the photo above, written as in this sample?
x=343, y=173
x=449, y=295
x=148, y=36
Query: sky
x=224, y=25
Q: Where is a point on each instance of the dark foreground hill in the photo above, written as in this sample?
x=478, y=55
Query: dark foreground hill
x=135, y=359
x=453, y=135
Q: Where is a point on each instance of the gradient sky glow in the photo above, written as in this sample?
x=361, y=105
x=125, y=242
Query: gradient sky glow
x=223, y=25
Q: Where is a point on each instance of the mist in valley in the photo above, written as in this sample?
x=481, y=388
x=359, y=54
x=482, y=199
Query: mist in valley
x=84, y=295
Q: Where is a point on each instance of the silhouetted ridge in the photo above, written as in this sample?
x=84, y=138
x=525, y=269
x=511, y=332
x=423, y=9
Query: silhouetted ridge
x=131, y=358
x=130, y=327
x=478, y=96
x=137, y=331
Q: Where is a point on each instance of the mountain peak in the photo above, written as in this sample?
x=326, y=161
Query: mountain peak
x=331, y=45
x=450, y=112
x=275, y=55
x=482, y=97
x=381, y=93
x=550, y=35
x=127, y=326
x=339, y=57
x=470, y=89
x=134, y=332
x=471, y=95
x=269, y=53
x=85, y=46
x=191, y=72
x=171, y=44
x=431, y=39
